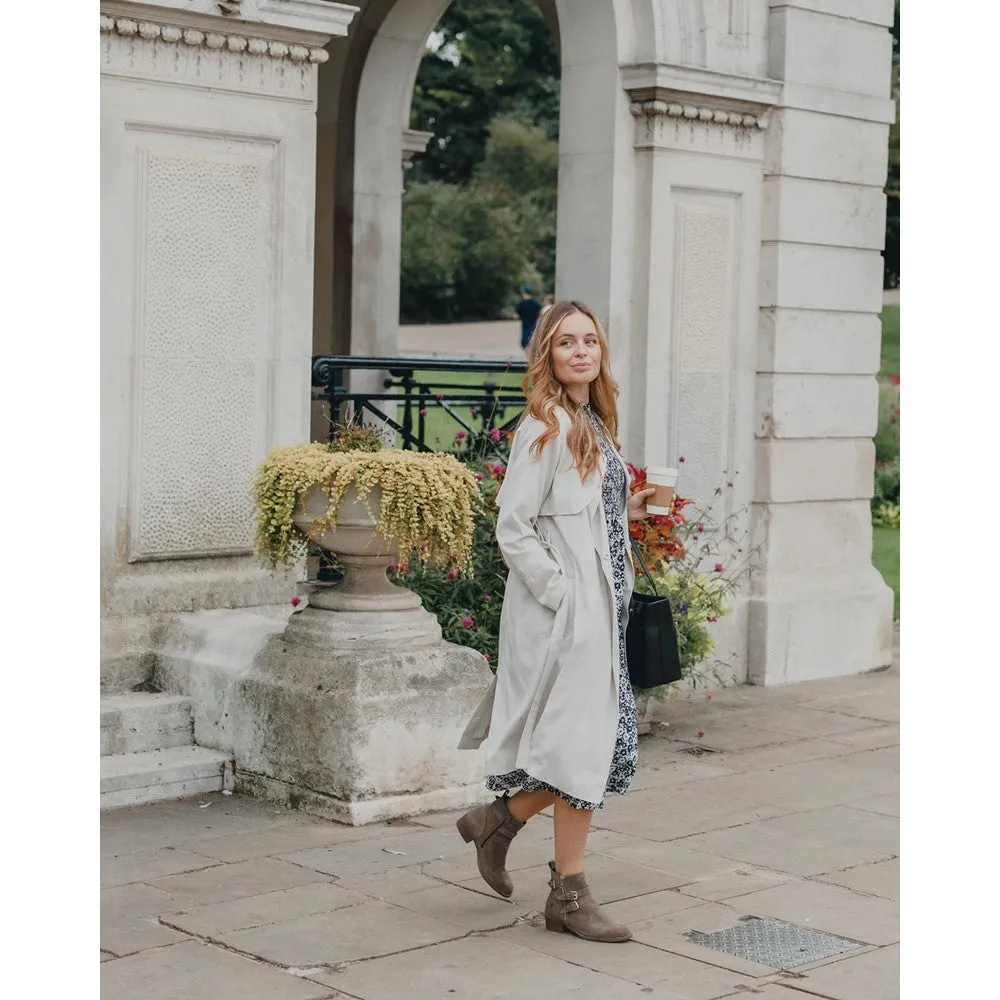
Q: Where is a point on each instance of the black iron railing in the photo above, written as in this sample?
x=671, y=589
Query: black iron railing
x=414, y=385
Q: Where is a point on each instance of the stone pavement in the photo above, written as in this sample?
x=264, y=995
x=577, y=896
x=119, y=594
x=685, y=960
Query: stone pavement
x=787, y=810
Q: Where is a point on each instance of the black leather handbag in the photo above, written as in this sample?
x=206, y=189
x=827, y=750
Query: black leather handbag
x=650, y=637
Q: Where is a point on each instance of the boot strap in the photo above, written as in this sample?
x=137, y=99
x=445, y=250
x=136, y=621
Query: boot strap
x=569, y=897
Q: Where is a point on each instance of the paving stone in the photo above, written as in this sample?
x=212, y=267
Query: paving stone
x=366, y=931
x=487, y=968
x=885, y=805
x=196, y=971
x=632, y=961
x=869, y=739
x=721, y=733
x=673, y=858
x=878, y=879
x=808, y=722
x=880, y=705
x=136, y=900
x=167, y=824
x=266, y=908
x=389, y=852
x=807, y=843
x=128, y=935
x=830, y=908
x=652, y=904
x=144, y=866
x=466, y=910
x=282, y=839
x=245, y=878
x=676, y=769
x=687, y=809
x=381, y=885
x=736, y=883
x=874, y=974
x=796, y=751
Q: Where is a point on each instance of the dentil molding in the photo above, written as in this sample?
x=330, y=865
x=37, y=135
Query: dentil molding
x=733, y=117
x=171, y=34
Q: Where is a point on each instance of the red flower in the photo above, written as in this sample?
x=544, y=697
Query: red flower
x=467, y=622
x=718, y=567
x=495, y=435
x=439, y=395
x=712, y=618
x=453, y=573
x=487, y=597
x=700, y=733
x=459, y=436
x=681, y=459
x=423, y=411
x=296, y=601
x=893, y=380
x=479, y=477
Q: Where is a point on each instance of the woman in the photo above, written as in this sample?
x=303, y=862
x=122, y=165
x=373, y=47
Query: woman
x=561, y=716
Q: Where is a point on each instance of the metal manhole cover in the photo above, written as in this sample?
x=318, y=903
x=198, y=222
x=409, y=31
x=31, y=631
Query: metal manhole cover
x=698, y=751
x=773, y=942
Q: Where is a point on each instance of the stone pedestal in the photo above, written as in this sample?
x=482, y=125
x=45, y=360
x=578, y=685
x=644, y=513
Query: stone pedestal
x=356, y=715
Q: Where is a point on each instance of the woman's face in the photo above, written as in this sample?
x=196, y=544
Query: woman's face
x=576, y=351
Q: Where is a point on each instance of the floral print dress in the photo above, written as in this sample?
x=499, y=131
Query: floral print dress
x=626, y=753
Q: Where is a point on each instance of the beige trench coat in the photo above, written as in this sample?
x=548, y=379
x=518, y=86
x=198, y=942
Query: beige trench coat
x=553, y=706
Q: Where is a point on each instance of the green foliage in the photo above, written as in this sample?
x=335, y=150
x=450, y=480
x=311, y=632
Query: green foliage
x=468, y=606
x=494, y=58
x=885, y=556
x=891, y=255
x=887, y=434
x=890, y=341
x=465, y=249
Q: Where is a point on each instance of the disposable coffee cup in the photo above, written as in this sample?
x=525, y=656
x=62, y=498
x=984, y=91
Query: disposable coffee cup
x=664, y=481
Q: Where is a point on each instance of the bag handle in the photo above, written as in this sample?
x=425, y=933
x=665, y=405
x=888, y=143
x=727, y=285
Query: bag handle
x=642, y=563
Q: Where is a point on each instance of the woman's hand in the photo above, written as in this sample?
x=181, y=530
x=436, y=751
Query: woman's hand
x=637, y=505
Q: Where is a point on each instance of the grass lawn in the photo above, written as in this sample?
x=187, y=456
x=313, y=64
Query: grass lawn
x=440, y=427
x=890, y=341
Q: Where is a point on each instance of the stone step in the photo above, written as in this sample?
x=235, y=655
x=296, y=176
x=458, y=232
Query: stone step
x=134, y=723
x=137, y=778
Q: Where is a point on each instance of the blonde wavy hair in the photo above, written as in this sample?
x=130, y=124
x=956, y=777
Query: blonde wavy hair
x=544, y=392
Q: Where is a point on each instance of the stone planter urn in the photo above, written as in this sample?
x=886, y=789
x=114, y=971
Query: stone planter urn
x=365, y=555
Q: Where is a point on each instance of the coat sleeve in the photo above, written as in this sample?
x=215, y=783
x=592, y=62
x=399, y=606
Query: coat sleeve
x=526, y=484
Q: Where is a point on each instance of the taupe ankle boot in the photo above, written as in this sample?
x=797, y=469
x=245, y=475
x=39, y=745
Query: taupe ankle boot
x=492, y=828
x=570, y=907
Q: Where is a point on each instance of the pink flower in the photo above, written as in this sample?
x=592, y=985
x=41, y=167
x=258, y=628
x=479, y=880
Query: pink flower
x=681, y=459
x=474, y=411
x=701, y=527
x=393, y=567
x=708, y=697
x=453, y=573
x=499, y=469
x=700, y=733
x=439, y=395
x=467, y=622
x=495, y=435
x=423, y=411
x=460, y=436
x=486, y=657
x=487, y=597
x=479, y=477
x=713, y=618
x=718, y=567
x=893, y=380
x=296, y=601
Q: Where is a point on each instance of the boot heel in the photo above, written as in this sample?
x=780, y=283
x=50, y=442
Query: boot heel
x=465, y=829
x=552, y=924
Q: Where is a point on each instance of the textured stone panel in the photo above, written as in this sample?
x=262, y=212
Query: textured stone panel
x=813, y=341
x=803, y=276
x=704, y=324
x=204, y=271
x=809, y=211
x=816, y=406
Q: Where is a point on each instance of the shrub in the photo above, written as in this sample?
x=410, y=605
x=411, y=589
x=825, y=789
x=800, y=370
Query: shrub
x=887, y=434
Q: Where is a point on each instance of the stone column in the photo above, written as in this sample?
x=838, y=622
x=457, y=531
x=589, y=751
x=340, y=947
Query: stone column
x=208, y=138
x=818, y=607
x=699, y=140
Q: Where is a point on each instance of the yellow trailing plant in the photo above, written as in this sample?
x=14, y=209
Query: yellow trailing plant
x=428, y=500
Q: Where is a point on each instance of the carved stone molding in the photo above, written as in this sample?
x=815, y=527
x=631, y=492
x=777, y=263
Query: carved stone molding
x=195, y=38
x=734, y=117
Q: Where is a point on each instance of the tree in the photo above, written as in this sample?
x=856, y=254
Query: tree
x=490, y=58
x=891, y=255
